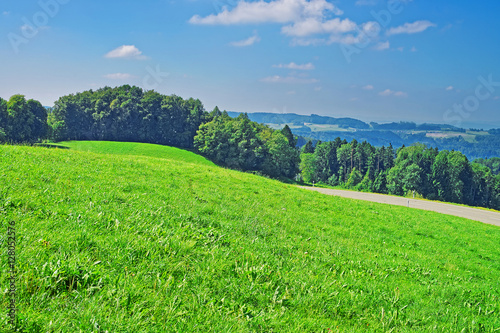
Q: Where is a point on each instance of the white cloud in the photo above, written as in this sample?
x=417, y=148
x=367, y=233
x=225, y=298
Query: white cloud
x=414, y=49
x=318, y=88
x=118, y=76
x=26, y=28
x=389, y=92
x=450, y=88
x=400, y=94
x=278, y=11
x=300, y=18
x=288, y=79
x=313, y=25
x=368, y=87
x=31, y=30
x=400, y=49
x=292, y=65
x=382, y=46
x=496, y=98
x=333, y=39
x=247, y=42
x=304, y=20
x=411, y=28
x=127, y=52
x=364, y=34
x=291, y=92
x=5, y=13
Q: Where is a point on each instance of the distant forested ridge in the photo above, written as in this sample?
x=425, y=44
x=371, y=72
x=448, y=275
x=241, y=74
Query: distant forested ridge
x=292, y=118
x=395, y=133
x=128, y=113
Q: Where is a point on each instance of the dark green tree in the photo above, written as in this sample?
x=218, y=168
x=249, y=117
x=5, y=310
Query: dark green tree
x=39, y=127
x=287, y=132
x=308, y=148
x=325, y=155
x=308, y=167
x=283, y=159
x=21, y=120
x=4, y=119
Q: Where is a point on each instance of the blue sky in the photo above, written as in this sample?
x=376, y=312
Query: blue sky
x=422, y=61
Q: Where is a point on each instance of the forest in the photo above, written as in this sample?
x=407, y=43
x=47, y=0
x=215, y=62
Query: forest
x=131, y=114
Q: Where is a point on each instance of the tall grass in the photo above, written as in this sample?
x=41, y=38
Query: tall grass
x=127, y=243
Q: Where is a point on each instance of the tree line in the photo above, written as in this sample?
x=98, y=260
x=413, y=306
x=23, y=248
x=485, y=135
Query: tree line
x=22, y=120
x=426, y=172
x=129, y=113
x=242, y=144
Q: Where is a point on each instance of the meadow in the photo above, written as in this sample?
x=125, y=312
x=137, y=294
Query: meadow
x=128, y=237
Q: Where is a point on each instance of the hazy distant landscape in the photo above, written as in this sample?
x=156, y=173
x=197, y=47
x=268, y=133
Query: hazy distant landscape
x=474, y=143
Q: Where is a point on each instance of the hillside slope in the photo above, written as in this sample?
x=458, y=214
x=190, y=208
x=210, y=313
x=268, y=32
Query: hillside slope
x=124, y=243
x=134, y=149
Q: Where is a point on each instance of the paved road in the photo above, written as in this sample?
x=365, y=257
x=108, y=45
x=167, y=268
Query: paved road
x=475, y=214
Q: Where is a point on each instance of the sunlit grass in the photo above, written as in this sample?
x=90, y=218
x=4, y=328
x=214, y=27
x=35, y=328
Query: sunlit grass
x=127, y=243
x=137, y=149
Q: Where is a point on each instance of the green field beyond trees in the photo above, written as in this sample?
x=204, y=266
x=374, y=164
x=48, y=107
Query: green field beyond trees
x=126, y=237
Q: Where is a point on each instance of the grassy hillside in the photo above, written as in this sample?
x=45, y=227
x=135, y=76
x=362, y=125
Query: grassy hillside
x=133, y=148
x=119, y=243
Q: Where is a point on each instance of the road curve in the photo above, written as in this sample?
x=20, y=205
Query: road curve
x=475, y=214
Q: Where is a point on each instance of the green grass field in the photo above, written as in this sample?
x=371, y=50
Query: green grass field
x=168, y=242
x=133, y=148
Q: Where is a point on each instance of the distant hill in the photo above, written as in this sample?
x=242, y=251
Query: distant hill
x=292, y=118
x=474, y=143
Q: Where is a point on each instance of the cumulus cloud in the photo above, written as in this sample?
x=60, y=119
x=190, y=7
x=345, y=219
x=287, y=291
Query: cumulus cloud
x=247, y=42
x=118, y=76
x=450, y=88
x=126, y=52
x=300, y=18
x=368, y=87
x=308, y=22
x=288, y=79
x=389, y=92
x=292, y=65
x=278, y=11
x=411, y=28
x=313, y=25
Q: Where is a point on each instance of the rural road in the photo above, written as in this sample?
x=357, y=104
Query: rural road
x=475, y=214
